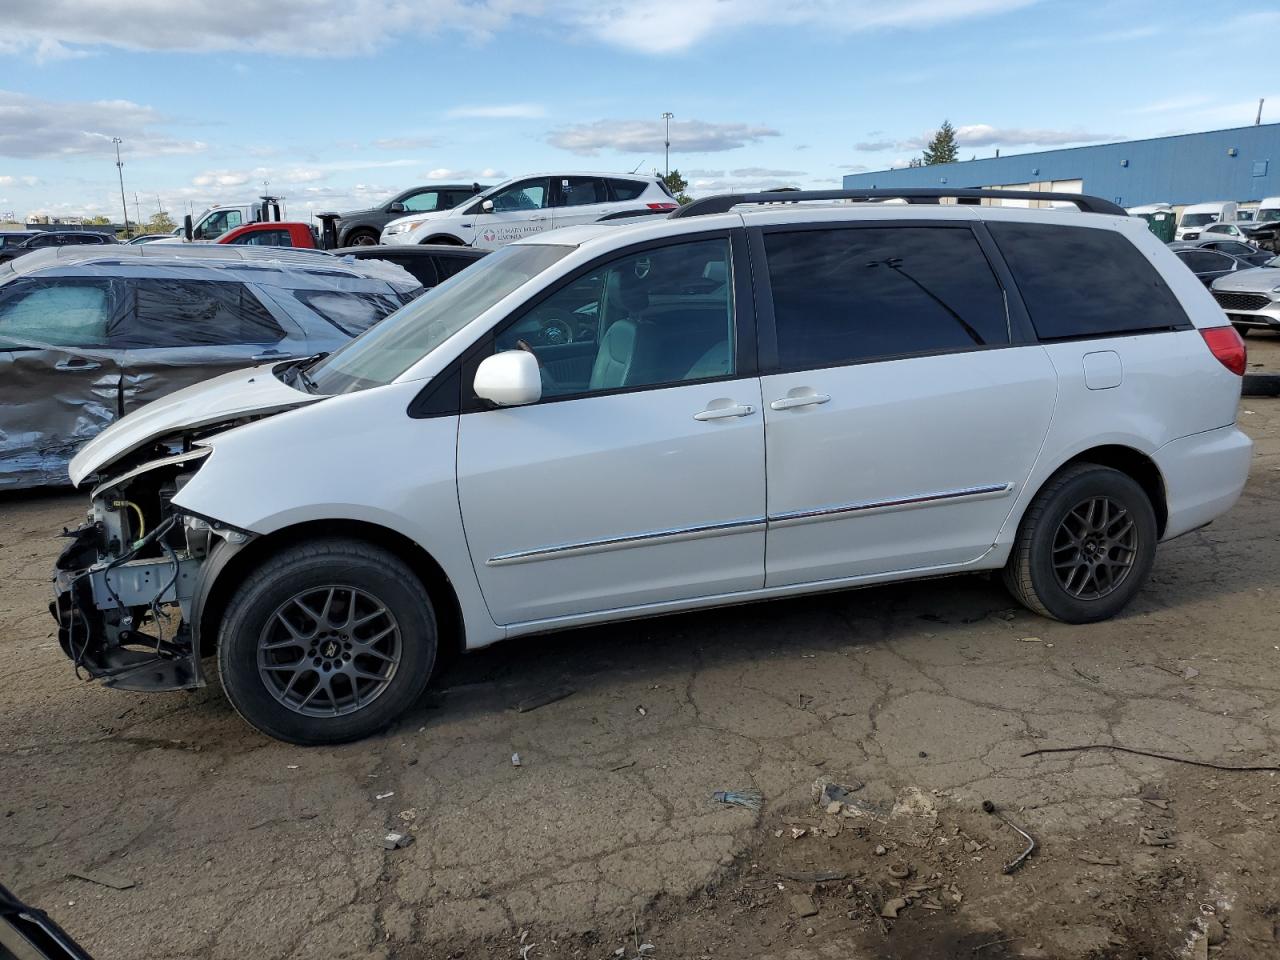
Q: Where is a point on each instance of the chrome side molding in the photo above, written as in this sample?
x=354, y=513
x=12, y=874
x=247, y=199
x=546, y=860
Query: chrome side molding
x=631, y=540
x=987, y=492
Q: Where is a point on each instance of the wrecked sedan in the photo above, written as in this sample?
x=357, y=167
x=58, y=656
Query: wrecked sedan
x=607, y=422
x=87, y=337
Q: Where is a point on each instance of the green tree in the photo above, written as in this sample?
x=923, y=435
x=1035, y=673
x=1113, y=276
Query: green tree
x=160, y=223
x=942, y=148
x=677, y=185
x=98, y=221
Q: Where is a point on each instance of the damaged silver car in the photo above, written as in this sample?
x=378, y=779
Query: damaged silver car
x=89, y=336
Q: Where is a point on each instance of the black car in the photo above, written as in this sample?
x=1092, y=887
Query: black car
x=1236, y=248
x=365, y=226
x=430, y=264
x=52, y=238
x=1208, y=265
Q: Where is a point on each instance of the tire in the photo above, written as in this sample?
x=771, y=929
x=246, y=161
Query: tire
x=1242, y=329
x=355, y=621
x=1057, y=525
x=360, y=238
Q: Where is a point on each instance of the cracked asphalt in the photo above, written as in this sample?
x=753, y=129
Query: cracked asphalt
x=241, y=846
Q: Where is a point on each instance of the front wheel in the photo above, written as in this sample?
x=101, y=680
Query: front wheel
x=361, y=238
x=327, y=642
x=1085, y=546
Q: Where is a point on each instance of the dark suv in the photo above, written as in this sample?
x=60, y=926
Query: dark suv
x=52, y=238
x=365, y=226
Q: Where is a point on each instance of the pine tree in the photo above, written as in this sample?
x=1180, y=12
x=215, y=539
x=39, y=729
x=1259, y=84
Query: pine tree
x=942, y=148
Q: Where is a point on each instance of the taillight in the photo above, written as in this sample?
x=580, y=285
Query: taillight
x=662, y=206
x=1228, y=346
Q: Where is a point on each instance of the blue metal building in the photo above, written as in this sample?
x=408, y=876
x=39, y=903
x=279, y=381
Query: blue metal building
x=1241, y=164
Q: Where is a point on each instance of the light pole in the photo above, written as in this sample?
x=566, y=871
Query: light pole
x=667, y=117
x=124, y=207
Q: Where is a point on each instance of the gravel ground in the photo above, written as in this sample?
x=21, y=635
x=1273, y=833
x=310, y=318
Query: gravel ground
x=606, y=837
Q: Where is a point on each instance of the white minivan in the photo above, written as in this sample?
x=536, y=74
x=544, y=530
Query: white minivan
x=751, y=398
x=530, y=205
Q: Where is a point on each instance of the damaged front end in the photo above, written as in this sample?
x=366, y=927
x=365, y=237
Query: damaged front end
x=126, y=585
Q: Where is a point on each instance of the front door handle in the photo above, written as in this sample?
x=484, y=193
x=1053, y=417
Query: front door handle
x=803, y=400
x=76, y=363
x=721, y=413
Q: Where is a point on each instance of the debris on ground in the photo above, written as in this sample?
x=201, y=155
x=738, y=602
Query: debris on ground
x=826, y=791
x=751, y=799
x=408, y=815
x=542, y=699
x=1156, y=836
x=111, y=880
x=642, y=711
x=1256, y=768
x=384, y=796
x=396, y=841
x=515, y=760
x=893, y=907
x=1018, y=861
x=803, y=906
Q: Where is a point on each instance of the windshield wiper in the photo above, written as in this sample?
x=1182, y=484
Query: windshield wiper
x=299, y=370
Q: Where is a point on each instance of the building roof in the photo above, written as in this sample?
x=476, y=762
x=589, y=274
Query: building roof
x=1240, y=163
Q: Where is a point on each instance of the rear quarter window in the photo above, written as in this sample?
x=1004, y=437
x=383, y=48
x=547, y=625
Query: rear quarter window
x=1080, y=282
x=352, y=313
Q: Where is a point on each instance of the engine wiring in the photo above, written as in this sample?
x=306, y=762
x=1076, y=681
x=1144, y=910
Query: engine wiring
x=137, y=510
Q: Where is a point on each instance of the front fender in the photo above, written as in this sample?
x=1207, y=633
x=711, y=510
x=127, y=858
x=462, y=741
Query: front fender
x=206, y=577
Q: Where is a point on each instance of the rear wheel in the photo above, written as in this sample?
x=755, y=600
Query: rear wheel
x=1085, y=546
x=361, y=238
x=327, y=642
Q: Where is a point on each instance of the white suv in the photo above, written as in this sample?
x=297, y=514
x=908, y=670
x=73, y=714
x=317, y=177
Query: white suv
x=525, y=206
x=751, y=398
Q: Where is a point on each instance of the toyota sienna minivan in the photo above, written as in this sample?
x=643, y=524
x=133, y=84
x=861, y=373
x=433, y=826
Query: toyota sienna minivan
x=758, y=396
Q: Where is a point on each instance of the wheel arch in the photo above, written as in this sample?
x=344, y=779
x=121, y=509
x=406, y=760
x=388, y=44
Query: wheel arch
x=447, y=239
x=1133, y=463
x=229, y=570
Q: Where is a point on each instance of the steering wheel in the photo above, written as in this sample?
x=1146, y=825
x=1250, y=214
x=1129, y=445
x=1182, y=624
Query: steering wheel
x=556, y=330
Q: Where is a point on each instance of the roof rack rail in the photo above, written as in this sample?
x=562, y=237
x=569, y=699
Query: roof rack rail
x=723, y=203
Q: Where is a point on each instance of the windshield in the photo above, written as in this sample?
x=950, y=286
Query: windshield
x=1198, y=219
x=1267, y=215
x=393, y=346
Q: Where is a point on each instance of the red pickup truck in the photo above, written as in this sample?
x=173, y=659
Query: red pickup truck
x=272, y=234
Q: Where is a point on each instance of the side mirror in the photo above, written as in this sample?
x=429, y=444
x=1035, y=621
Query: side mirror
x=509, y=379
x=396, y=207
x=186, y=227
x=486, y=206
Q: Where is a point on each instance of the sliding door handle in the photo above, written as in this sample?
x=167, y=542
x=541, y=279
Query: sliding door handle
x=803, y=400
x=721, y=413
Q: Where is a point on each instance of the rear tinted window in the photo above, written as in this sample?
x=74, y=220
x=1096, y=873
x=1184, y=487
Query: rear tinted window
x=626, y=189
x=1085, y=282
x=849, y=295
x=196, y=313
x=1203, y=261
x=351, y=313
x=448, y=265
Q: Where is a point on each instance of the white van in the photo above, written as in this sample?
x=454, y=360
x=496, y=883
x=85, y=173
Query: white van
x=1198, y=214
x=759, y=399
x=1268, y=210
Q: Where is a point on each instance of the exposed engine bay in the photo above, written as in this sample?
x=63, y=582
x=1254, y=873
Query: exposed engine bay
x=125, y=584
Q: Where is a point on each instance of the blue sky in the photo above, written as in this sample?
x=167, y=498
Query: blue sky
x=338, y=103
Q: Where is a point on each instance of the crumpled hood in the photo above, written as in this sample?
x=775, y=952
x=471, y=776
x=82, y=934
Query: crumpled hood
x=243, y=393
x=1255, y=280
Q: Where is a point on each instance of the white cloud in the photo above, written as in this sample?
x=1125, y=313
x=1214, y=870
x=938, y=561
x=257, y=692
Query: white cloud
x=447, y=173
x=986, y=135
x=647, y=136
x=318, y=28
x=670, y=26
x=12, y=181
x=765, y=172
x=344, y=28
x=1173, y=104
x=31, y=127
x=406, y=143
x=500, y=111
